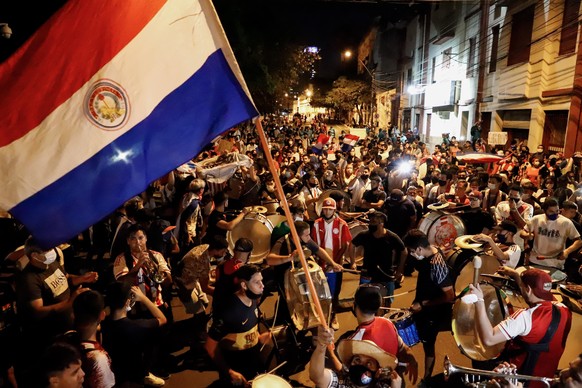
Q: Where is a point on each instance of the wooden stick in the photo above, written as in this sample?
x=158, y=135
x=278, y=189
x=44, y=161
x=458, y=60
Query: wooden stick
x=296, y=240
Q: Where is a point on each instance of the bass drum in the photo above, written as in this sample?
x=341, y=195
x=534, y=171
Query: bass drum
x=271, y=206
x=326, y=194
x=257, y=228
x=269, y=381
x=464, y=325
x=462, y=268
x=299, y=299
x=442, y=228
x=357, y=227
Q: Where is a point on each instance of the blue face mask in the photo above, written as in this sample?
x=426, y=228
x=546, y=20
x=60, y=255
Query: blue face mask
x=552, y=217
x=501, y=238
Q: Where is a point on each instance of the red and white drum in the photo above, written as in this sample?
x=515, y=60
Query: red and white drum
x=442, y=228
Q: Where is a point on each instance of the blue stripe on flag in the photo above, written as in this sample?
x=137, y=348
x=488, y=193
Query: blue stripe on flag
x=207, y=104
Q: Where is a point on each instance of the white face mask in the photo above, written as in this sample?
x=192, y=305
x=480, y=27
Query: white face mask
x=298, y=218
x=492, y=186
x=50, y=257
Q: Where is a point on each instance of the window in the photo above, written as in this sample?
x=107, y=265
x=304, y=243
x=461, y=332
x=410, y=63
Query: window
x=409, y=76
x=520, y=41
x=433, y=70
x=471, y=65
x=569, y=27
x=494, y=48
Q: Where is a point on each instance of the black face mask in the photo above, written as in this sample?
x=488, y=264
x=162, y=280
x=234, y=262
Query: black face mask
x=360, y=375
x=373, y=228
x=442, y=183
x=516, y=200
x=252, y=295
x=501, y=238
x=365, y=176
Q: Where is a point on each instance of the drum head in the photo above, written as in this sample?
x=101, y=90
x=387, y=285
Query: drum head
x=442, y=229
x=465, y=269
x=464, y=324
x=270, y=381
x=258, y=229
x=396, y=316
x=299, y=299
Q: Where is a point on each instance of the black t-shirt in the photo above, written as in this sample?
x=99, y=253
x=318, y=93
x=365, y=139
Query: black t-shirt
x=50, y=285
x=213, y=229
x=126, y=340
x=476, y=220
x=281, y=247
x=378, y=254
x=236, y=330
x=399, y=214
x=373, y=196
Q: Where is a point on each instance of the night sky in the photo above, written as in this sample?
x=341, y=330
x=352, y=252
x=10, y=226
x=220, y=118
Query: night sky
x=331, y=25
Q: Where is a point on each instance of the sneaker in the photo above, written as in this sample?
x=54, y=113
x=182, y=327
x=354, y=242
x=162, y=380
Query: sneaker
x=335, y=324
x=153, y=381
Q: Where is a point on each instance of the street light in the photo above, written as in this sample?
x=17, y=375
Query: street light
x=308, y=93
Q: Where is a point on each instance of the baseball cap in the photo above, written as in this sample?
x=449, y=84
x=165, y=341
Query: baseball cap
x=540, y=283
x=243, y=245
x=329, y=203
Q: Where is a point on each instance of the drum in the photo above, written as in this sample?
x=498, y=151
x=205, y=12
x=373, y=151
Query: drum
x=405, y=326
x=276, y=219
x=269, y=381
x=271, y=206
x=258, y=229
x=277, y=346
x=357, y=227
x=464, y=325
x=462, y=269
x=442, y=228
x=299, y=299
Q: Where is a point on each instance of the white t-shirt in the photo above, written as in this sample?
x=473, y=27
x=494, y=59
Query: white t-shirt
x=328, y=243
x=550, y=239
x=358, y=188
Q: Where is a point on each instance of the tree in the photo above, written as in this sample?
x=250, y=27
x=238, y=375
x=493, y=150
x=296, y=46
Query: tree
x=347, y=94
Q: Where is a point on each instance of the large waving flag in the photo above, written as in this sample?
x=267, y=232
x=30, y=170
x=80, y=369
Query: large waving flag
x=105, y=98
x=350, y=142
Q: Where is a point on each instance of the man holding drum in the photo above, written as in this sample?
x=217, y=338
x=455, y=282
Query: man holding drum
x=432, y=307
x=538, y=334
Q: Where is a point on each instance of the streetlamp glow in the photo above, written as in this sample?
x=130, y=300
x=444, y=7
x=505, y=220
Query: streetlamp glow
x=308, y=93
x=347, y=54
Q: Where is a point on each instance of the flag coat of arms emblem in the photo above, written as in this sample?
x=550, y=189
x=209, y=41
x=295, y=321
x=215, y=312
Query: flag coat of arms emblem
x=105, y=98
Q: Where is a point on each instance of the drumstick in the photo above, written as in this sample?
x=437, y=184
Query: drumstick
x=274, y=320
x=272, y=370
x=391, y=308
x=402, y=293
x=354, y=271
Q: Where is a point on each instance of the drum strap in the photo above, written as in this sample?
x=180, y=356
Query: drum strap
x=533, y=350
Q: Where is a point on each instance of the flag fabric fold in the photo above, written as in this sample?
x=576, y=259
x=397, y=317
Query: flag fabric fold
x=321, y=141
x=349, y=142
x=94, y=116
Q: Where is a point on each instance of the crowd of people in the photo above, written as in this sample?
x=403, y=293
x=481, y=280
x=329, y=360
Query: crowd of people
x=173, y=239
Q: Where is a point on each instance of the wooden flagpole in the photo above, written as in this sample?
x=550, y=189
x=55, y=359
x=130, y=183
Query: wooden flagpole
x=285, y=206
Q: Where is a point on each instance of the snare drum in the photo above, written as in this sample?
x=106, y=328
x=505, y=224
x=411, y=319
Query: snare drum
x=258, y=229
x=442, y=228
x=299, y=299
x=357, y=227
x=405, y=326
x=270, y=381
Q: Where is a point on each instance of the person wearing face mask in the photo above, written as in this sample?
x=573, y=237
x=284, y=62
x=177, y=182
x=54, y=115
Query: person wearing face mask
x=234, y=341
x=359, y=184
x=443, y=188
x=492, y=195
x=310, y=193
x=475, y=218
x=532, y=172
x=549, y=232
x=548, y=189
x=435, y=294
x=45, y=294
x=332, y=234
x=375, y=197
x=514, y=209
x=504, y=249
x=365, y=363
x=384, y=254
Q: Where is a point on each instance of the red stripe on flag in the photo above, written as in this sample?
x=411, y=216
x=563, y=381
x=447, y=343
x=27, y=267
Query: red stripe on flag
x=63, y=55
